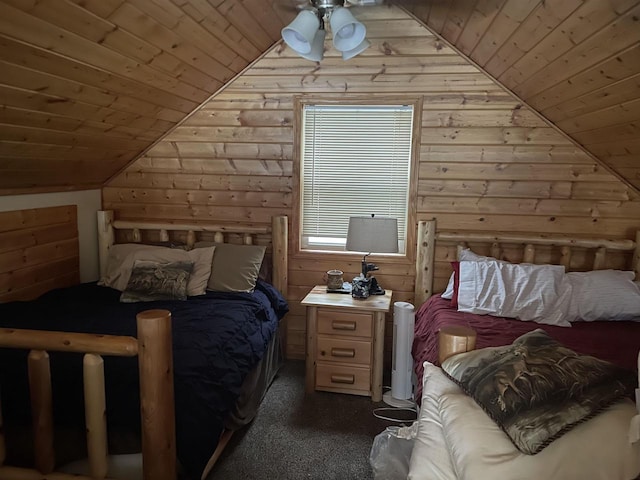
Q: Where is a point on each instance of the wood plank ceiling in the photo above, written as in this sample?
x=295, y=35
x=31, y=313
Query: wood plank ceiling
x=87, y=85
x=577, y=62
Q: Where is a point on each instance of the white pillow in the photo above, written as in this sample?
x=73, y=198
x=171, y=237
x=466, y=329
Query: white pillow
x=524, y=291
x=604, y=295
x=465, y=255
x=123, y=256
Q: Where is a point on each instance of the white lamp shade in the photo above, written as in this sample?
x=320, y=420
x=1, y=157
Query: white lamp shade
x=348, y=33
x=317, y=47
x=347, y=54
x=373, y=234
x=300, y=33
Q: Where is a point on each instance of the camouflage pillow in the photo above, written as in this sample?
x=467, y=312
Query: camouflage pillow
x=536, y=389
x=151, y=281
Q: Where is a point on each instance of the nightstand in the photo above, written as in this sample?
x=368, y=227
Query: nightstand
x=345, y=341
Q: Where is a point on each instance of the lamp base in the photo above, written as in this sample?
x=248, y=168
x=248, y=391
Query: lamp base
x=375, y=288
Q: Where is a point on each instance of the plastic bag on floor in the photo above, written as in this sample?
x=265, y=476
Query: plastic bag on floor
x=391, y=452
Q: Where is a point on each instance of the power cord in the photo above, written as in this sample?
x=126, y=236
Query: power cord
x=411, y=407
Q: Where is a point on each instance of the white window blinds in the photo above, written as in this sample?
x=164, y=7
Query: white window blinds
x=355, y=161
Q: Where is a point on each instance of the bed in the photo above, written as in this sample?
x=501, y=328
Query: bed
x=458, y=436
x=215, y=353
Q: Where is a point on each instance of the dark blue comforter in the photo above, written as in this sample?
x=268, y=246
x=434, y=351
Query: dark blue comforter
x=217, y=339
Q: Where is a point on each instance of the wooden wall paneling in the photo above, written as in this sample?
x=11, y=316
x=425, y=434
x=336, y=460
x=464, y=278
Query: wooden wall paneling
x=38, y=251
x=487, y=162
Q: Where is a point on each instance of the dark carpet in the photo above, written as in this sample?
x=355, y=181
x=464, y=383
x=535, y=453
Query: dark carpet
x=303, y=436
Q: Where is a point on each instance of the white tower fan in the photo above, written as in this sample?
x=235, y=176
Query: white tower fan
x=401, y=393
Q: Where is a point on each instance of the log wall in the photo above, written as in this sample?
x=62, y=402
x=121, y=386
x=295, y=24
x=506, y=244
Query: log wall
x=38, y=251
x=486, y=162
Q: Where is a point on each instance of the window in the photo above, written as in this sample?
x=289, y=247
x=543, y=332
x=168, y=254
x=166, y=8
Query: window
x=355, y=160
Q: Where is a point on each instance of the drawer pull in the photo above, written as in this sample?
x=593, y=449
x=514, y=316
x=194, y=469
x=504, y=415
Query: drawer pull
x=350, y=379
x=337, y=325
x=343, y=352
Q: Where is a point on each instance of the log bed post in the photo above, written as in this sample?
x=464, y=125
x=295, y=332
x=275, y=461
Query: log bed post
x=635, y=263
x=106, y=237
x=155, y=359
x=42, y=410
x=279, y=244
x=95, y=415
x=424, y=261
x=3, y=447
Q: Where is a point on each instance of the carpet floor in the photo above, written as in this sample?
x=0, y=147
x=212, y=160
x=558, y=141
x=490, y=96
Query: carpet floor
x=303, y=436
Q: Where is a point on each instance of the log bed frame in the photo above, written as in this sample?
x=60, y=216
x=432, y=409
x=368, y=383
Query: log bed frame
x=153, y=347
x=427, y=238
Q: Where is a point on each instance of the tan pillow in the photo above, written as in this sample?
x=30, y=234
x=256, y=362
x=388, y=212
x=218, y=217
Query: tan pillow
x=235, y=267
x=123, y=256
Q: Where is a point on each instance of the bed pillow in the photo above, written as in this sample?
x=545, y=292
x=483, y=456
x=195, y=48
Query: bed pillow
x=604, y=295
x=523, y=291
x=150, y=281
x=122, y=257
x=536, y=389
x=235, y=267
x=468, y=256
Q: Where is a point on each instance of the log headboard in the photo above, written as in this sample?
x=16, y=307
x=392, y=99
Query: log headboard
x=558, y=249
x=108, y=229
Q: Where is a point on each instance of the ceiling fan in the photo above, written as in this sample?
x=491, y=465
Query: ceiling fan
x=306, y=33
x=330, y=4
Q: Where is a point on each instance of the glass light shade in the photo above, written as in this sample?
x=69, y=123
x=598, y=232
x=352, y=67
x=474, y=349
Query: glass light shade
x=347, y=54
x=373, y=234
x=300, y=33
x=317, y=47
x=348, y=33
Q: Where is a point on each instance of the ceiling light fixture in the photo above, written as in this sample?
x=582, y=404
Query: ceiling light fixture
x=306, y=33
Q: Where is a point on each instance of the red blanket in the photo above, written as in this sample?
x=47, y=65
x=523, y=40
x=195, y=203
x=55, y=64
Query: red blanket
x=615, y=341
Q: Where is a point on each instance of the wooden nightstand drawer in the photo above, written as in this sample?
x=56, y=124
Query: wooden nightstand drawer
x=332, y=349
x=340, y=322
x=345, y=342
x=343, y=378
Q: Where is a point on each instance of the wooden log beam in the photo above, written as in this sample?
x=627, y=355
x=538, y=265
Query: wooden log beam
x=42, y=410
x=557, y=240
x=565, y=257
x=106, y=237
x=600, y=258
x=68, y=342
x=280, y=246
x=95, y=415
x=424, y=261
x=196, y=227
x=529, y=254
x=156, y=395
x=496, y=251
x=3, y=446
x=635, y=263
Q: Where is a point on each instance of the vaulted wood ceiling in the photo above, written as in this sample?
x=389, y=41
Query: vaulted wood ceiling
x=577, y=62
x=87, y=85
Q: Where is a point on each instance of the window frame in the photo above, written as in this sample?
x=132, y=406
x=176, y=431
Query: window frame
x=410, y=240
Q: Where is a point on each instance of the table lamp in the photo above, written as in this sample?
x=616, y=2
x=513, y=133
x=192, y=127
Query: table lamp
x=372, y=235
